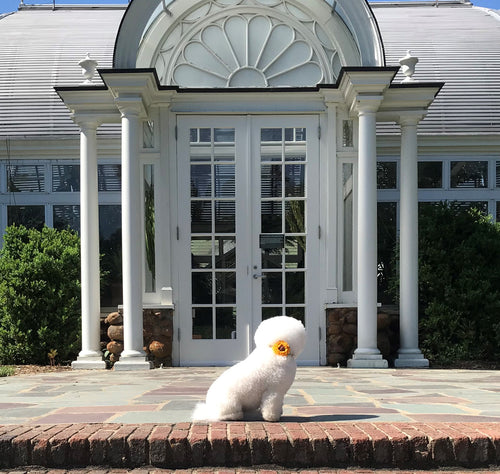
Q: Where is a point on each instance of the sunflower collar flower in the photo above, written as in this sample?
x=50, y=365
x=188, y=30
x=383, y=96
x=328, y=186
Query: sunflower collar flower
x=281, y=348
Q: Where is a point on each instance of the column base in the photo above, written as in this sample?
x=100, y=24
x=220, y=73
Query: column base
x=411, y=359
x=133, y=363
x=88, y=363
x=367, y=359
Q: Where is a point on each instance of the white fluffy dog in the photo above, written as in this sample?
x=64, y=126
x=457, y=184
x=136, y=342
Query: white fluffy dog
x=261, y=381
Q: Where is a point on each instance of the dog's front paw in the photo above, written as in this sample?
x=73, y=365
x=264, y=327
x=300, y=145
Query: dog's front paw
x=271, y=417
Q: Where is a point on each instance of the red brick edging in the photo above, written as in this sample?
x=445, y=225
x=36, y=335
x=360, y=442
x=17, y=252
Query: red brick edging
x=309, y=444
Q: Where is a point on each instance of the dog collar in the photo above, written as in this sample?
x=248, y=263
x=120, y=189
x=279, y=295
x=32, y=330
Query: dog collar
x=281, y=348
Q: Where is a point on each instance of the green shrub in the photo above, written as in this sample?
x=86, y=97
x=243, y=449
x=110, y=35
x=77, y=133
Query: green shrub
x=459, y=279
x=6, y=370
x=39, y=295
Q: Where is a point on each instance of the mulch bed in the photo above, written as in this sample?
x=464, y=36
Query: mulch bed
x=40, y=369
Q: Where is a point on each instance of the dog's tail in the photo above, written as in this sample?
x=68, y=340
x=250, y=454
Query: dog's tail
x=202, y=412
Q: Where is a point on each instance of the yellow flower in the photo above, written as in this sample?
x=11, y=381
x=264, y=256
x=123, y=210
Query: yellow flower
x=281, y=348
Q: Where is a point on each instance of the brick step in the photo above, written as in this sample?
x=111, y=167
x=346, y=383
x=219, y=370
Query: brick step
x=291, y=445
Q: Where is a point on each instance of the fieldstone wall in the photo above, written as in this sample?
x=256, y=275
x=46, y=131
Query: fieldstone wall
x=342, y=329
x=158, y=334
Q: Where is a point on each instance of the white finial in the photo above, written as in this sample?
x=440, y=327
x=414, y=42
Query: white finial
x=88, y=68
x=408, y=64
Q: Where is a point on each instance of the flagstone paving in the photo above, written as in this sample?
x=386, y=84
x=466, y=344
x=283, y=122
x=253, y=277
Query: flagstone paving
x=318, y=394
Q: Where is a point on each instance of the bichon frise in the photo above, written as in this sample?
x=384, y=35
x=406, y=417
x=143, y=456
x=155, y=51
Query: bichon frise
x=261, y=381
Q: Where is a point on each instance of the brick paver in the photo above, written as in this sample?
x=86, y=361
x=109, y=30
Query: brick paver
x=290, y=445
x=205, y=470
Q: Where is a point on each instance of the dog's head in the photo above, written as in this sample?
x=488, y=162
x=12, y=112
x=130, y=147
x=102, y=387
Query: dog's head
x=284, y=334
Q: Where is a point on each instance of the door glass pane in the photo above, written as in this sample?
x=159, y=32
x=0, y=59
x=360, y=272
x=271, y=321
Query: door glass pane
x=225, y=284
x=225, y=323
x=225, y=252
x=201, y=252
x=295, y=252
x=295, y=217
x=271, y=217
x=201, y=135
x=201, y=181
x=271, y=134
x=202, y=287
x=224, y=184
x=225, y=216
x=224, y=135
x=202, y=323
x=272, y=258
x=272, y=288
x=295, y=287
x=224, y=152
x=271, y=312
x=201, y=216
x=297, y=313
x=271, y=181
x=295, y=180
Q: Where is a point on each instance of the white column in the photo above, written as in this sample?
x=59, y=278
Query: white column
x=133, y=356
x=409, y=355
x=367, y=354
x=90, y=357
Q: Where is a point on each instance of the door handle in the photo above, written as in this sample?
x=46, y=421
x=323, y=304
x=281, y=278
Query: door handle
x=257, y=275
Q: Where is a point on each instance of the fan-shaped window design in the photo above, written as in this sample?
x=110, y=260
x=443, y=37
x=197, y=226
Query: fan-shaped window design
x=244, y=43
x=247, y=52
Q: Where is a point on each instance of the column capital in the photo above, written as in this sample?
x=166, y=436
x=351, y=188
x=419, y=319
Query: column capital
x=131, y=106
x=410, y=119
x=86, y=122
x=367, y=104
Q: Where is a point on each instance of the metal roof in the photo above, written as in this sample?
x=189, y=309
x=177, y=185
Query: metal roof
x=41, y=49
x=456, y=44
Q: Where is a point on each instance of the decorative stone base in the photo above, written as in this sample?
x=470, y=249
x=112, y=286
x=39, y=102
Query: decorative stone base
x=367, y=362
x=133, y=363
x=411, y=360
x=88, y=363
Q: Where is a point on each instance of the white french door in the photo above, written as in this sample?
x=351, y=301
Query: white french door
x=248, y=243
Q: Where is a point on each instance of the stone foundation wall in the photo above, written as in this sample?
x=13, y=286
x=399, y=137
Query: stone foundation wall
x=342, y=329
x=341, y=333
x=158, y=334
